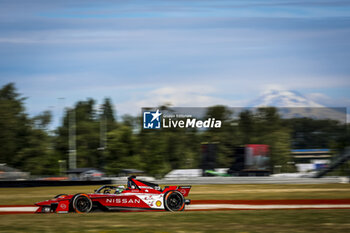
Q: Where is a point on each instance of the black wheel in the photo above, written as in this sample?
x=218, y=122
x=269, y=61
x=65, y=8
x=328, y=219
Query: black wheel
x=82, y=203
x=174, y=201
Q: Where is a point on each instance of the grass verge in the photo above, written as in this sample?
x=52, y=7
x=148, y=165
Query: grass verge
x=213, y=221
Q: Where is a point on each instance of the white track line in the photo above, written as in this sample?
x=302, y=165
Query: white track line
x=19, y=209
x=231, y=206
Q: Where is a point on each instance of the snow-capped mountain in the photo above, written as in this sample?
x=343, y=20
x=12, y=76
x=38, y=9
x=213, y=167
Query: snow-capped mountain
x=283, y=98
x=293, y=104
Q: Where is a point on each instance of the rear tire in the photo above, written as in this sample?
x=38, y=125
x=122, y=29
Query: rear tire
x=174, y=201
x=82, y=203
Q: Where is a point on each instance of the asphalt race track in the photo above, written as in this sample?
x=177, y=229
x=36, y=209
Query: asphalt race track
x=207, y=205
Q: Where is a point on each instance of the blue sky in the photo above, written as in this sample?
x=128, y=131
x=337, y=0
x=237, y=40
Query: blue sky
x=188, y=53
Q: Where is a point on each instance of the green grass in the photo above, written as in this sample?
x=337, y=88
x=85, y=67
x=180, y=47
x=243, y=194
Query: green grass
x=213, y=221
x=197, y=221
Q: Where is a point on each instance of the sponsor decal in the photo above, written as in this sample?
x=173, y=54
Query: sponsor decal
x=191, y=123
x=158, y=203
x=149, y=197
x=151, y=120
x=158, y=120
x=183, y=191
x=122, y=200
x=63, y=206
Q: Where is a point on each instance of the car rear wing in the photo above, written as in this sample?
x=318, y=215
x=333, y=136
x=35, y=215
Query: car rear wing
x=185, y=190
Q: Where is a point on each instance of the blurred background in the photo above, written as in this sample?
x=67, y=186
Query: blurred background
x=75, y=74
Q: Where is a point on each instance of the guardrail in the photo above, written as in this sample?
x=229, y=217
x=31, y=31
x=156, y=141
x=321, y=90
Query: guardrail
x=42, y=183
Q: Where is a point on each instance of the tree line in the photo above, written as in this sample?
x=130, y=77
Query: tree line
x=104, y=142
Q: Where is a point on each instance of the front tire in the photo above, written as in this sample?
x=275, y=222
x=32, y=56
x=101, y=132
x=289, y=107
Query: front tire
x=82, y=203
x=174, y=201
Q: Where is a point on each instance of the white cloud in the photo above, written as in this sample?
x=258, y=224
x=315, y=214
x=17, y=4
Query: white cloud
x=177, y=96
x=269, y=87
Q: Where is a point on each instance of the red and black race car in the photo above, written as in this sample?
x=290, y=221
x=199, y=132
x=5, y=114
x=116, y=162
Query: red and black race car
x=139, y=195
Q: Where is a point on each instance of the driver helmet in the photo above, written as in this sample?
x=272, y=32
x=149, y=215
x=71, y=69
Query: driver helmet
x=119, y=189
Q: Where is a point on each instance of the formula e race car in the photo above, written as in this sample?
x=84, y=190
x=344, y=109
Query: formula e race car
x=139, y=195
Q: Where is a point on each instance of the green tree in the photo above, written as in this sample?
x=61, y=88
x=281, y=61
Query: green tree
x=246, y=126
x=107, y=115
x=43, y=120
x=153, y=153
x=316, y=133
x=279, y=142
x=121, y=150
x=14, y=124
x=38, y=157
x=224, y=137
x=87, y=134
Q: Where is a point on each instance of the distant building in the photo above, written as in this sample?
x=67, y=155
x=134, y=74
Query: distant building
x=311, y=159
